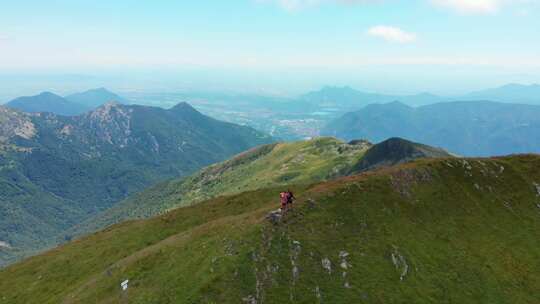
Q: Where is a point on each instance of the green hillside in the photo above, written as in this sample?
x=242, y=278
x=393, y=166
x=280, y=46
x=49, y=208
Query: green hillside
x=266, y=166
x=432, y=231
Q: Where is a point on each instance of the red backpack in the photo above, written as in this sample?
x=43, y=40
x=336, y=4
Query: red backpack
x=284, y=198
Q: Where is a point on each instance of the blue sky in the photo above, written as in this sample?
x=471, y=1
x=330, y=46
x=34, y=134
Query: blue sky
x=375, y=45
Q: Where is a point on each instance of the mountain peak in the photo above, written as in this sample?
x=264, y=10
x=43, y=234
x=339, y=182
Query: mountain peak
x=187, y=111
x=46, y=102
x=390, y=105
x=395, y=151
x=111, y=104
x=48, y=94
x=94, y=98
x=183, y=106
x=107, y=107
x=397, y=103
x=519, y=86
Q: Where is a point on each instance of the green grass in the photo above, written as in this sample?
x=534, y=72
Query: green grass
x=267, y=166
x=467, y=231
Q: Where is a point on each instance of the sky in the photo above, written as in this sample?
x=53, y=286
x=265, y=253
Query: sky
x=275, y=46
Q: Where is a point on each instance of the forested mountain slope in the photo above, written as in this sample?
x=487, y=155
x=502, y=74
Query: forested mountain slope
x=56, y=171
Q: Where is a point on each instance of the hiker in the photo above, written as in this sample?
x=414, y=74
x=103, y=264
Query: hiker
x=290, y=199
x=284, y=199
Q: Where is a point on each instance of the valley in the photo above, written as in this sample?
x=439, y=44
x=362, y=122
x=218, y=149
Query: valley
x=56, y=171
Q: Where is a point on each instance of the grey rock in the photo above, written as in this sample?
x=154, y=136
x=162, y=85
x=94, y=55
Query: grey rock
x=249, y=300
x=318, y=292
x=400, y=263
x=275, y=216
x=343, y=254
x=311, y=203
x=295, y=272
x=327, y=265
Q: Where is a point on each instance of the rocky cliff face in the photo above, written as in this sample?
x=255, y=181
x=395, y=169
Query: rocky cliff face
x=14, y=123
x=110, y=123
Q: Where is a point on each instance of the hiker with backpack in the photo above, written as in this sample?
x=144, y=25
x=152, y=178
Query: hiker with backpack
x=286, y=198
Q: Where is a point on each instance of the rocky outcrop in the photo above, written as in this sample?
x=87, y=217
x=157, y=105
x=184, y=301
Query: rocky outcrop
x=275, y=216
x=400, y=263
x=14, y=123
x=111, y=123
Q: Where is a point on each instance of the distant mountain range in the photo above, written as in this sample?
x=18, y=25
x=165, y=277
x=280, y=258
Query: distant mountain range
x=95, y=98
x=512, y=93
x=286, y=118
x=467, y=128
x=347, y=97
x=56, y=171
x=47, y=102
x=70, y=105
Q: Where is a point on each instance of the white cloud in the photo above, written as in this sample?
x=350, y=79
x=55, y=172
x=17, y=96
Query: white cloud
x=470, y=6
x=460, y=6
x=293, y=5
x=484, y=6
x=392, y=34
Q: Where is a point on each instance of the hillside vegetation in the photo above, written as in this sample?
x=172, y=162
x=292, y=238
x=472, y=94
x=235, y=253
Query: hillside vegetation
x=302, y=162
x=431, y=231
x=57, y=171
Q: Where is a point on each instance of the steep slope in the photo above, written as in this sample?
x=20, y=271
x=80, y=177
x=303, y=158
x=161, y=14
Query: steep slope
x=271, y=165
x=396, y=151
x=450, y=230
x=465, y=128
x=47, y=102
x=57, y=171
x=95, y=98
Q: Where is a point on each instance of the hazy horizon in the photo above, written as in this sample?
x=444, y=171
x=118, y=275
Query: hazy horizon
x=283, y=47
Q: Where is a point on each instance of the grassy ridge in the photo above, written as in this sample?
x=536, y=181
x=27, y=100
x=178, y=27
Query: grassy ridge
x=451, y=230
x=267, y=166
